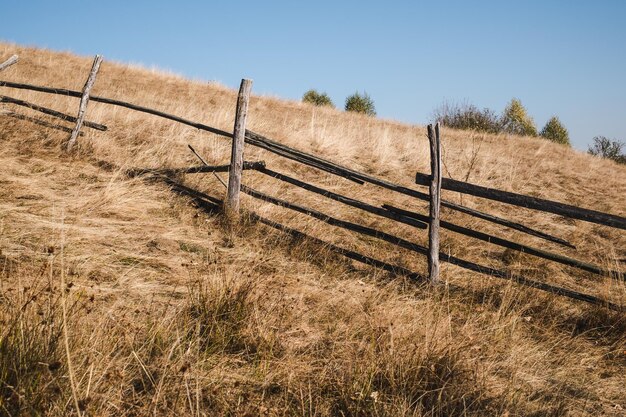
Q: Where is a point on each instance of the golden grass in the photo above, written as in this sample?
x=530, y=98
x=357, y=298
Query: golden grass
x=169, y=312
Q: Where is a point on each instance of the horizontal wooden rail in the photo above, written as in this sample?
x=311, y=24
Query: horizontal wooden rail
x=529, y=202
x=343, y=199
x=565, y=260
x=78, y=94
x=50, y=112
x=296, y=155
x=395, y=240
x=247, y=165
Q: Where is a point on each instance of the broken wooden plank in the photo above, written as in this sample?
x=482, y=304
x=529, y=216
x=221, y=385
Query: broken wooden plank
x=6, y=64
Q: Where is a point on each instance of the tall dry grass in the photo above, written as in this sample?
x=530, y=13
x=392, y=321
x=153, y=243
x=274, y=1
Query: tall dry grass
x=169, y=312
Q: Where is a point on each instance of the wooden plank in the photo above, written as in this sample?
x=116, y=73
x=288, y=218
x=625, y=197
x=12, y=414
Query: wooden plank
x=236, y=157
x=50, y=112
x=397, y=241
x=6, y=64
x=529, y=202
x=435, y=203
x=594, y=269
x=82, y=108
x=343, y=199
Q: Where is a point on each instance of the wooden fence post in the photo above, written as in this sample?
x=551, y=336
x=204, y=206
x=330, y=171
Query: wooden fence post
x=82, y=108
x=6, y=64
x=435, y=203
x=236, y=158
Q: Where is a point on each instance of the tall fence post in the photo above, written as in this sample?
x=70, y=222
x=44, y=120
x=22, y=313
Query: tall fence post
x=236, y=158
x=82, y=108
x=435, y=203
x=6, y=64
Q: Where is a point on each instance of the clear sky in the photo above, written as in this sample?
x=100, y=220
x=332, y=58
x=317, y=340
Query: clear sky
x=564, y=58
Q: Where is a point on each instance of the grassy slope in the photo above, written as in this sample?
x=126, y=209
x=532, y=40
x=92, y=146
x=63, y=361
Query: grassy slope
x=169, y=311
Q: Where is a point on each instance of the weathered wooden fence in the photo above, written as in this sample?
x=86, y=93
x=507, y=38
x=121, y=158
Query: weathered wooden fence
x=241, y=136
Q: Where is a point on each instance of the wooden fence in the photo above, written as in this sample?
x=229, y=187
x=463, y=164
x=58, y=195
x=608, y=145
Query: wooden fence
x=434, y=180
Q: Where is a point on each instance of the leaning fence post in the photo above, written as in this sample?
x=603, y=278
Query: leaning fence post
x=435, y=203
x=82, y=108
x=6, y=64
x=236, y=157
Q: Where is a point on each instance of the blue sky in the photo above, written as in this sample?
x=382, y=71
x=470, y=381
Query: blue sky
x=564, y=58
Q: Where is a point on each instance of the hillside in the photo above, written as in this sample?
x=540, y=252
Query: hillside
x=167, y=310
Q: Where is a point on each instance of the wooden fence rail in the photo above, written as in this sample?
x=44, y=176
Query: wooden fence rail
x=298, y=156
x=388, y=211
x=529, y=202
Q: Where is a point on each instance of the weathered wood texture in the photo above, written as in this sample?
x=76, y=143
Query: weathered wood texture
x=435, y=203
x=236, y=156
x=82, y=108
x=529, y=202
x=50, y=112
x=6, y=64
x=397, y=241
x=565, y=260
x=343, y=199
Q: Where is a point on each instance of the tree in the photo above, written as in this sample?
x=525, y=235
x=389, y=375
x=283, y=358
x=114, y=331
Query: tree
x=607, y=148
x=317, y=99
x=515, y=120
x=361, y=104
x=555, y=131
x=467, y=116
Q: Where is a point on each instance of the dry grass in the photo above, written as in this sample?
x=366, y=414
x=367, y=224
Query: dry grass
x=169, y=312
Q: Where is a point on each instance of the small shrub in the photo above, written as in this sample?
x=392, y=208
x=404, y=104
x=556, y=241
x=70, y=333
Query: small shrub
x=607, y=148
x=555, y=131
x=317, y=99
x=361, y=104
x=467, y=116
x=515, y=120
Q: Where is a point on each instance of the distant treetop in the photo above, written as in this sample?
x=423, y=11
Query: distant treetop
x=555, y=131
x=317, y=99
x=361, y=104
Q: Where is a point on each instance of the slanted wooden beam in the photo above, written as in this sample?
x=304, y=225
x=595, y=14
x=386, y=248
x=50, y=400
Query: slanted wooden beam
x=82, y=108
x=6, y=64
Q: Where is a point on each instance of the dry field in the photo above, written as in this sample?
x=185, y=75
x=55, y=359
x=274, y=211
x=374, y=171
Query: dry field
x=120, y=297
